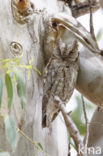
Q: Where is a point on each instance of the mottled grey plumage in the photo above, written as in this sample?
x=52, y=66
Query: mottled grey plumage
x=59, y=79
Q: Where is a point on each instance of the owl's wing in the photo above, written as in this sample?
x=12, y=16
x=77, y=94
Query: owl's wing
x=59, y=80
x=49, y=87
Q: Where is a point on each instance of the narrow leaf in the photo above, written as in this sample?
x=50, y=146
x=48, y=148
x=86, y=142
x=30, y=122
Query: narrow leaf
x=1, y=90
x=99, y=35
x=11, y=131
x=9, y=88
x=39, y=144
x=21, y=88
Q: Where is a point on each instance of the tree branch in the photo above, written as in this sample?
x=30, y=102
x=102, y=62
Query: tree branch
x=81, y=9
x=86, y=122
x=96, y=131
x=70, y=125
x=101, y=3
x=90, y=77
x=91, y=23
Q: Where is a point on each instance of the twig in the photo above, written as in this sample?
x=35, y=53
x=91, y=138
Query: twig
x=91, y=23
x=74, y=133
x=29, y=139
x=91, y=20
x=86, y=122
x=69, y=148
x=36, y=145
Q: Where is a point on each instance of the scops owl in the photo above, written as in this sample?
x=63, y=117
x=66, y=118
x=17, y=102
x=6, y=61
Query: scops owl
x=59, y=79
x=62, y=68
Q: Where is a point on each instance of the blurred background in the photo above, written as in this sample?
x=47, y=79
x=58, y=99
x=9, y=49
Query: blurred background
x=75, y=103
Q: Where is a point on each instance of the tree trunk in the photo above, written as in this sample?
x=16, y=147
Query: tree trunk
x=53, y=139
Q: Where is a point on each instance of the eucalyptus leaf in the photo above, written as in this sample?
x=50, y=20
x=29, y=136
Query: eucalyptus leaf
x=1, y=90
x=11, y=131
x=99, y=34
x=39, y=144
x=9, y=88
x=20, y=87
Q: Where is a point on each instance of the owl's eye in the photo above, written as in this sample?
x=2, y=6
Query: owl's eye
x=54, y=24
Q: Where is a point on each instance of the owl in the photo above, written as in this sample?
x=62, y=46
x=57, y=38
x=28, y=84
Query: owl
x=59, y=79
x=61, y=71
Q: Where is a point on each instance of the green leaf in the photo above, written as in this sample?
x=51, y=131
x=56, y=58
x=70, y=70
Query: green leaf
x=99, y=35
x=1, y=90
x=21, y=87
x=11, y=131
x=9, y=88
x=39, y=144
x=4, y=154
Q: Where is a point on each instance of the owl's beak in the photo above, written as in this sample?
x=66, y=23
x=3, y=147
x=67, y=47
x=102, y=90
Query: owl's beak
x=72, y=25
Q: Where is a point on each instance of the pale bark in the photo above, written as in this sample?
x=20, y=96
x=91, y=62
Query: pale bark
x=90, y=83
x=53, y=139
x=101, y=2
x=90, y=78
x=96, y=132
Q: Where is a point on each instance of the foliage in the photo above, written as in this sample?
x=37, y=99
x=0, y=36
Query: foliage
x=9, y=87
x=11, y=131
x=14, y=75
x=20, y=88
x=13, y=67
